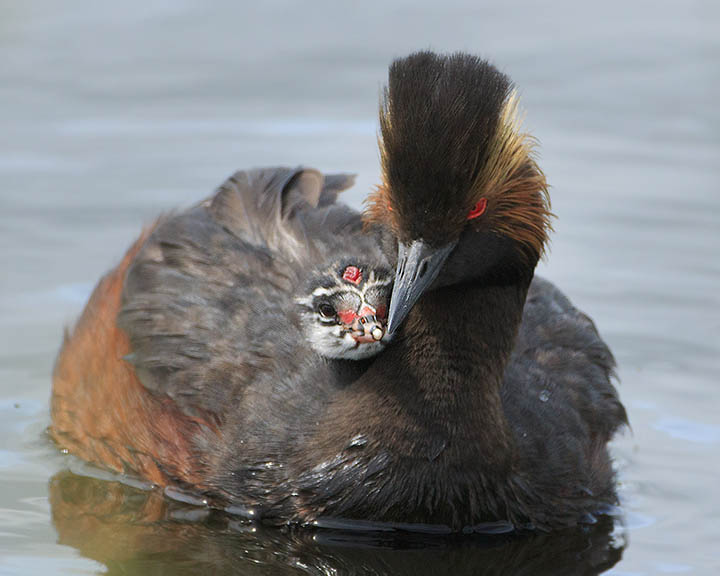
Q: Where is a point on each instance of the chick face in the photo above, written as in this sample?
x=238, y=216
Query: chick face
x=344, y=316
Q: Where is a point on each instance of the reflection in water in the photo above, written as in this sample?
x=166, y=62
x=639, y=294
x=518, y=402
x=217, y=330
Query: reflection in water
x=140, y=532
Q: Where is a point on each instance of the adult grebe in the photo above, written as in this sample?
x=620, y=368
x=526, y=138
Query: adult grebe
x=491, y=408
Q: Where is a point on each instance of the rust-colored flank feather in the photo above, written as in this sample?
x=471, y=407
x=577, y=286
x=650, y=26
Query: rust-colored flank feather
x=100, y=410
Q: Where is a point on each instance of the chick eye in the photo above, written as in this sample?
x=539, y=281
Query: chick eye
x=478, y=209
x=326, y=310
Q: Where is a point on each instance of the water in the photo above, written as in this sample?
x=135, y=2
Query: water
x=111, y=113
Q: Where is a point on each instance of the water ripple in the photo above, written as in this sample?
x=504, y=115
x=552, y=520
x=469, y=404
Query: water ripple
x=681, y=429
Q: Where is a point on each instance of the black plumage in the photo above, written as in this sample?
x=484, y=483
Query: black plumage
x=492, y=406
x=511, y=399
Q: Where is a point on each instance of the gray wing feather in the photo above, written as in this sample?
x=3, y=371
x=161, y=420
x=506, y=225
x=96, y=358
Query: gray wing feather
x=208, y=301
x=565, y=347
x=265, y=206
x=559, y=393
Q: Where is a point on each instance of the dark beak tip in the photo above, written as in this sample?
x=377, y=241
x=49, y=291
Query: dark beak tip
x=390, y=329
x=397, y=316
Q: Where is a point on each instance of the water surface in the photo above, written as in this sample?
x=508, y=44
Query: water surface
x=112, y=113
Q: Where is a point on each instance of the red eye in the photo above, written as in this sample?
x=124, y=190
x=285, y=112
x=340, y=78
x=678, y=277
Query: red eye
x=478, y=209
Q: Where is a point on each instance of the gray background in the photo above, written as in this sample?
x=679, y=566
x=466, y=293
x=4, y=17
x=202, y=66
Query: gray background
x=113, y=112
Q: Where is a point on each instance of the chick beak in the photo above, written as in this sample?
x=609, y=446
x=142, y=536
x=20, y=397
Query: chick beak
x=368, y=328
x=418, y=266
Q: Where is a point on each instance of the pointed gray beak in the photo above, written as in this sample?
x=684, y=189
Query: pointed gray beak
x=418, y=266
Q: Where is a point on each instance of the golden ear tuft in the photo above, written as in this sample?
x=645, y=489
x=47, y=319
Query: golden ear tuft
x=514, y=184
x=378, y=208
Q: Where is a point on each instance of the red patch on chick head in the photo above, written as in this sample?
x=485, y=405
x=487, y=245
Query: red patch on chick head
x=352, y=274
x=347, y=317
x=367, y=310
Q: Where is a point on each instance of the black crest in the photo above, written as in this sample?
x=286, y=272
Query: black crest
x=438, y=116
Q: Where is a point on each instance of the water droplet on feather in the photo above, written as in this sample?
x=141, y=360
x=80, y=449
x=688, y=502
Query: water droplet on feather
x=357, y=441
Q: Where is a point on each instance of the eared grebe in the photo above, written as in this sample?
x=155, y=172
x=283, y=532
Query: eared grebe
x=492, y=406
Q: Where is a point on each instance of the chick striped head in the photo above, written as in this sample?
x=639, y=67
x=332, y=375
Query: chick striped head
x=344, y=314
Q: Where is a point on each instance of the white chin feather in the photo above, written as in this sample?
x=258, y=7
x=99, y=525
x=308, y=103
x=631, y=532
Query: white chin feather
x=327, y=341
